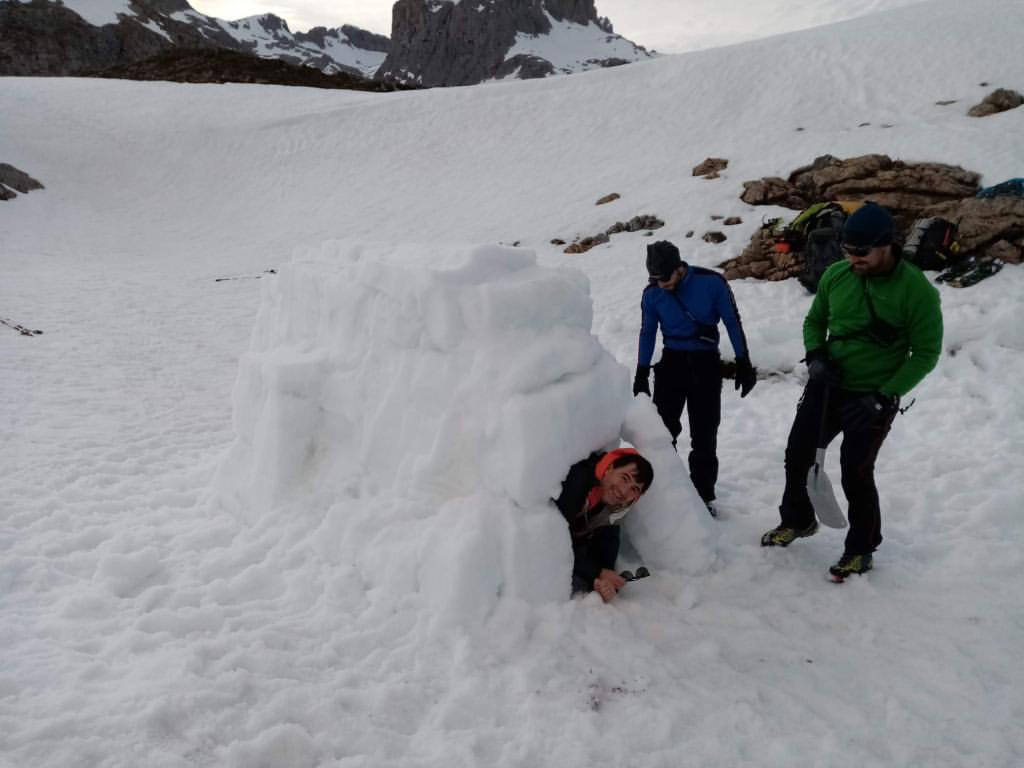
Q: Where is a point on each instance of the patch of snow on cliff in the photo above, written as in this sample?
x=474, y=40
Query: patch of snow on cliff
x=97, y=12
x=152, y=26
x=574, y=47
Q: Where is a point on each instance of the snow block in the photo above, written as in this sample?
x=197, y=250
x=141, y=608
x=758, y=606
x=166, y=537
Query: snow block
x=669, y=525
x=459, y=384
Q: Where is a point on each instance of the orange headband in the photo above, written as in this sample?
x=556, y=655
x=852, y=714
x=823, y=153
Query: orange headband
x=602, y=466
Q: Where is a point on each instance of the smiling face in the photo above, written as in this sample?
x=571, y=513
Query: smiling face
x=619, y=486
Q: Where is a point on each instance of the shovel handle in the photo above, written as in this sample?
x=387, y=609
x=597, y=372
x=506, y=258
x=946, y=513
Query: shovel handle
x=822, y=444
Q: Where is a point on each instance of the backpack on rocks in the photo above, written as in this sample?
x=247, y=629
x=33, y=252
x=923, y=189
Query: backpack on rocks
x=816, y=232
x=1014, y=187
x=932, y=244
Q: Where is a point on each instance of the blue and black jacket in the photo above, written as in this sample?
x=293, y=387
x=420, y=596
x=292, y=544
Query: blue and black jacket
x=689, y=315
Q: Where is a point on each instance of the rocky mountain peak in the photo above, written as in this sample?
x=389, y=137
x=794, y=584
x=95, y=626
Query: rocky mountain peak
x=45, y=37
x=267, y=21
x=433, y=43
x=162, y=6
x=368, y=41
x=455, y=42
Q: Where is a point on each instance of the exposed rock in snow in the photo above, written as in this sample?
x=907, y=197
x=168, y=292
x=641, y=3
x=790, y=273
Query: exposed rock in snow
x=1000, y=100
x=904, y=187
x=710, y=168
x=987, y=227
x=13, y=180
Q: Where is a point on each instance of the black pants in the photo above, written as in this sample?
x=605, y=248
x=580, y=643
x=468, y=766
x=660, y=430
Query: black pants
x=693, y=380
x=856, y=458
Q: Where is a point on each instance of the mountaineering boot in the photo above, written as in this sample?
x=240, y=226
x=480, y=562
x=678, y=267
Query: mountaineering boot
x=849, y=564
x=783, y=537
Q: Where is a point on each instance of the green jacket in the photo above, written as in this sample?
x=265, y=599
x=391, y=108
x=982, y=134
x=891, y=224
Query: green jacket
x=840, y=316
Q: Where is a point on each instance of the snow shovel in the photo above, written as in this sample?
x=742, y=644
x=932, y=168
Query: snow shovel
x=819, y=487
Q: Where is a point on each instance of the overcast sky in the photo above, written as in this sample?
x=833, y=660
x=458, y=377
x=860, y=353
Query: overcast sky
x=669, y=26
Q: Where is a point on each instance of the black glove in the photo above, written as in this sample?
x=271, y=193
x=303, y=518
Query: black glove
x=746, y=375
x=640, y=381
x=868, y=411
x=821, y=369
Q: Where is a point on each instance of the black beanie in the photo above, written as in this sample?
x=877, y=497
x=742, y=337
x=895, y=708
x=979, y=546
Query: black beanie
x=662, y=259
x=868, y=227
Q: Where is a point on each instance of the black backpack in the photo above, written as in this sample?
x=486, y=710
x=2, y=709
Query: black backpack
x=932, y=244
x=822, y=232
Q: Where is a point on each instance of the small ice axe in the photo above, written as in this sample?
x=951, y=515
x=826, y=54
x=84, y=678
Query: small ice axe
x=819, y=487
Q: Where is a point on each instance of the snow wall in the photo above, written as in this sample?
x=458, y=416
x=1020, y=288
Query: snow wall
x=419, y=407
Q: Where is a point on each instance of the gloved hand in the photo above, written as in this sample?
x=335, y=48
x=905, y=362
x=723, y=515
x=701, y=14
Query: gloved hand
x=746, y=375
x=640, y=381
x=868, y=411
x=821, y=369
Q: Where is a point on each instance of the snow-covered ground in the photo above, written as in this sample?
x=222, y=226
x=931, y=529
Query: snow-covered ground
x=150, y=617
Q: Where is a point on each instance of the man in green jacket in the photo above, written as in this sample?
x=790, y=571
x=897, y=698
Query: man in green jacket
x=873, y=332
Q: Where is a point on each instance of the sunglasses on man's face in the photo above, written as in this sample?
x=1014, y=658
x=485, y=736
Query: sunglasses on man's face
x=858, y=251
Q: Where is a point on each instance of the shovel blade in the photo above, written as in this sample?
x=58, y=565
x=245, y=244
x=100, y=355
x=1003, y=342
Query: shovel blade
x=823, y=498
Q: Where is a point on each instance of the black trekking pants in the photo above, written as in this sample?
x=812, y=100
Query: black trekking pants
x=693, y=380
x=856, y=458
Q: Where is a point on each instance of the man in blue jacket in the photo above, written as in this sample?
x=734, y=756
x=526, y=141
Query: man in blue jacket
x=688, y=303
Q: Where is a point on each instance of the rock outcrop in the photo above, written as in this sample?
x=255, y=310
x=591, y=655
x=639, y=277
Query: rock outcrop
x=14, y=180
x=46, y=38
x=446, y=42
x=1000, y=100
x=711, y=167
x=904, y=188
x=761, y=260
x=218, y=65
x=988, y=228
x=635, y=224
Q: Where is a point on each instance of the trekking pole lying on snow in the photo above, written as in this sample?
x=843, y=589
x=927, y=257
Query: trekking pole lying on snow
x=246, y=276
x=819, y=487
x=18, y=327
